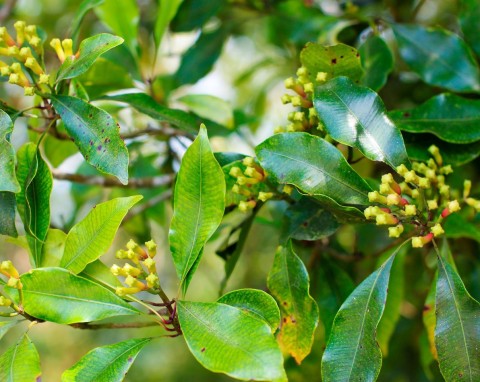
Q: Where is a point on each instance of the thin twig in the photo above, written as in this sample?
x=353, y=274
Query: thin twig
x=151, y=182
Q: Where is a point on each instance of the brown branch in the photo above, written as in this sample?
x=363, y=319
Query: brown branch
x=152, y=182
x=6, y=9
x=87, y=325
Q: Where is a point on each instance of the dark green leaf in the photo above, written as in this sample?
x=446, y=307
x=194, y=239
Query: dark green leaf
x=8, y=181
x=314, y=166
x=20, y=362
x=84, y=7
x=13, y=113
x=256, y=302
x=335, y=60
x=457, y=332
x=55, y=294
x=90, y=49
x=457, y=226
x=95, y=133
x=33, y=201
x=377, y=61
x=355, y=116
x=198, y=60
x=199, y=202
x=438, y=56
x=289, y=283
x=224, y=159
x=469, y=16
x=450, y=117
x=7, y=214
x=193, y=14
x=90, y=238
x=106, y=363
x=214, y=330
x=352, y=349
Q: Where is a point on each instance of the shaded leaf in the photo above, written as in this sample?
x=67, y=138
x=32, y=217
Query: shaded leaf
x=469, y=16
x=450, y=117
x=457, y=330
x=84, y=7
x=90, y=49
x=335, y=60
x=355, y=116
x=213, y=330
x=199, y=202
x=7, y=214
x=166, y=12
x=96, y=135
x=211, y=107
x=438, y=56
x=55, y=294
x=289, y=283
x=5, y=326
x=8, y=181
x=457, y=226
x=256, y=302
x=90, y=238
x=377, y=61
x=317, y=169
x=106, y=363
x=193, y=14
x=20, y=362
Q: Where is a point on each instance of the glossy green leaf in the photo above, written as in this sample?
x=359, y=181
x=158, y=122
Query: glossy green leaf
x=7, y=214
x=377, y=61
x=457, y=331
x=317, y=169
x=211, y=107
x=90, y=49
x=429, y=319
x=457, y=226
x=55, y=294
x=289, y=283
x=84, y=7
x=450, y=117
x=256, y=302
x=33, y=201
x=199, y=202
x=214, y=330
x=5, y=326
x=166, y=12
x=199, y=59
x=352, y=349
x=469, y=16
x=106, y=363
x=53, y=248
x=355, y=116
x=335, y=60
x=20, y=362
x=8, y=181
x=438, y=56
x=101, y=274
x=122, y=17
x=307, y=220
x=90, y=238
x=193, y=14
x=96, y=135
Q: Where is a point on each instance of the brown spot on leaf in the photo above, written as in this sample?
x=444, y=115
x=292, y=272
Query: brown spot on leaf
x=203, y=349
x=334, y=61
x=99, y=148
x=426, y=308
x=406, y=115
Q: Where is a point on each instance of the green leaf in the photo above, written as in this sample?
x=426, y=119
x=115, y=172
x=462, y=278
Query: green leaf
x=96, y=135
x=352, y=349
x=20, y=362
x=355, y=116
x=56, y=295
x=317, y=169
x=106, y=363
x=33, y=201
x=199, y=59
x=90, y=49
x=211, y=107
x=5, y=326
x=450, y=117
x=457, y=226
x=122, y=18
x=306, y=220
x=438, y=56
x=53, y=248
x=193, y=14
x=377, y=61
x=7, y=214
x=457, y=332
x=199, y=202
x=166, y=12
x=101, y=274
x=84, y=7
x=428, y=317
x=469, y=16
x=8, y=181
x=289, y=283
x=213, y=330
x=257, y=302
x=90, y=238
x=335, y=60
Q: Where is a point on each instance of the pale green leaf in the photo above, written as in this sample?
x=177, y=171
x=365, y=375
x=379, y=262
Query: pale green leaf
x=84, y=7
x=20, y=362
x=8, y=181
x=101, y=274
x=211, y=107
x=5, y=326
x=53, y=248
x=90, y=238
x=166, y=12
x=7, y=214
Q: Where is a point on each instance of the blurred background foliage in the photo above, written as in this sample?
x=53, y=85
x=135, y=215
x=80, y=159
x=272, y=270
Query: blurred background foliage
x=239, y=52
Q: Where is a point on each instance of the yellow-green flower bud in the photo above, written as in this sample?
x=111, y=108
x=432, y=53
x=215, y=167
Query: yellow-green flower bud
x=423, y=182
x=67, y=46
x=14, y=283
x=152, y=281
x=122, y=291
x=432, y=204
x=371, y=212
x=8, y=269
x=445, y=170
x=235, y=172
x=264, y=196
x=150, y=264
x=57, y=45
x=395, y=231
x=31, y=30
x=437, y=230
x=5, y=36
x=417, y=242
x=473, y=203
x=131, y=245
x=251, y=172
x=246, y=206
x=44, y=79
x=33, y=64
x=386, y=219
x=453, y=206
x=393, y=199
x=20, y=28
x=410, y=210
x=290, y=83
x=467, y=187
x=402, y=169
x=5, y=301
x=13, y=51
x=302, y=71
x=117, y=271
x=385, y=188
x=248, y=161
x=444, y=190
x=375, y=196
x=242, y=180
x=430, y=174
x=434, y=150
x=411, y=177
x=287, y=189
x=286, y=98
x=151, y=248
x=35, y=41
x=131, y=271
x=14, y=79
x=29, y=91
x=25, y=53
x=321, y=77
x=5, y=71
x=308, y=87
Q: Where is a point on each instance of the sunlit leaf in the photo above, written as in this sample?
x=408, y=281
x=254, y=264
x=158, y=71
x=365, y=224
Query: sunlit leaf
x=20, y=362
x=8, y=181
x=166, y=12
x=53, y=248
x=84, y=7
x=211, y=107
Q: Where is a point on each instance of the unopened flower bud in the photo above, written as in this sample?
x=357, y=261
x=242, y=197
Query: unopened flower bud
x=445, y=170
x=29, y=91
x=287, y=189
x=117, y=271
x=386, y=219
x=246, y=206
x=432, y=204
x=14, y=283
x=437, y=230
x=321, y=77
x=395, y=231
x=251, y=172
x=235, y=172
x=44, y=79
x=410, y=210
x=420, y=241
x=393, y=199
x=423, y=183
x=33, y=64
x=242, y=180
x=411, y=177
x=131, y=271
x=5, y=301
x=375, y=196
x=151, y=248
x=5, y=36
x=67, y=46
x=467, y=187
x=264, y=196
x=152, y=280
x=452, y=206
x=20, y=29
x=402, y=169
x=434, y=150
x=150, y=264
x=8, y=269
x=57, y=45
x=248, y=161
x=286, y=98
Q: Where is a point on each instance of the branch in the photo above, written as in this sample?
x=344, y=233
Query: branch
x=152, y=182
